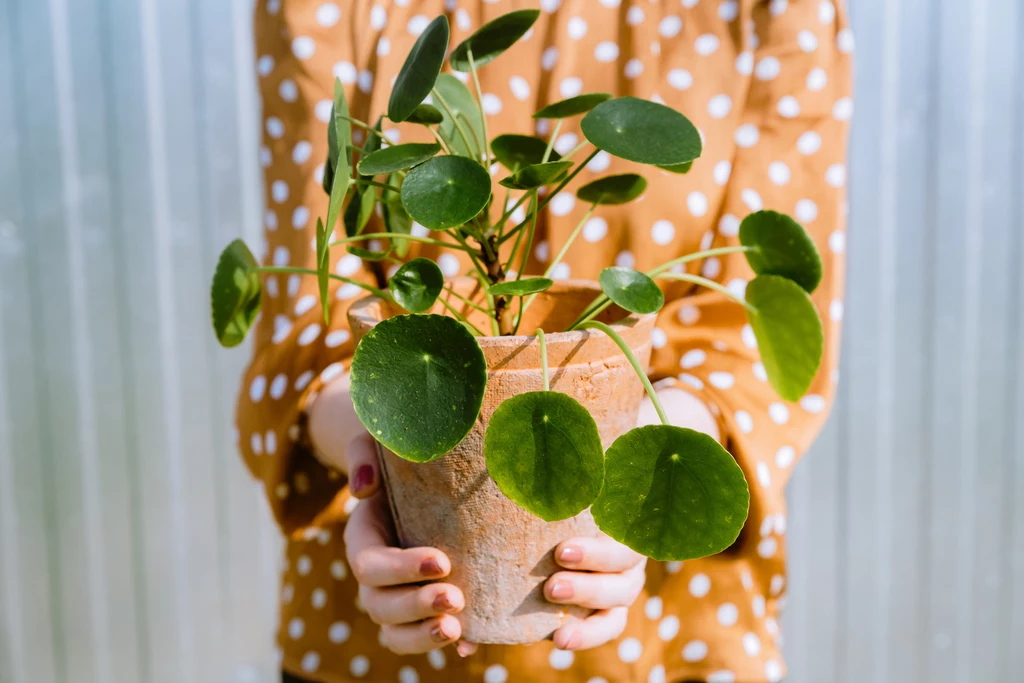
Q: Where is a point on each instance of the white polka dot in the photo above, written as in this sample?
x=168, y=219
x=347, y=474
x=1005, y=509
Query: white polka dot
x=275, y=128
x=719, y=106
x=337, y=338
x=378, y=17
x=300, y=217
x=570, y=87
x=700, y=584
x=416, y=25
x=778, y=581
x=844, y=41
x=256, y=443
x=653, y=607
x=560, y=272
x=625, y=259
x=744, y=422
x=562, y=204
x=697, y=203
x=778, y=172
x=806, y=211
x=759, y=371
x=595, y=229
x=323, y=110
x=270, y=442
x=519, y=87
x=549, y=58
x=767, y=547
x=768, y=68
x=265, y=65
x=611, y=4
x=728, y=10
x=688, y=315
x=495, y=673
x=788, y=107
x=668, y=628
x=779, y=413
x=630, y=650
x=670, y=26
x=807, y=41
x=657, y=675
x=773, y=671
x=346, y=73
x=842, y=110
x=257, y=388
x=817, y=79
x=437, y=659
x=658, y=338
x=835, y=310
x=359, y=666
x=808, y=143
x=288, y=91
x=301, y=152
x=407, y=674
x=751, y=644
x=561, y=659
x=721, y=172
x=303, y=47
x=692, y=381
x=633, y=69
x=673, y=567
x=747, y=135
x=365, y=80
x=383, y=46
x=576, y=27
x=449, y=265
x=491, y=104
x=711, y=268
x=692, y=359
x=331, y=371
x=635, y=15
x=835, y=175
x=309, y=335
x=606, y=51
x=752, y=199
x=310, y=662
x=813, y=403
x=706, y=44
x=328, y=14
x=680, y=79
x=721, y=676
x=319, y=598
x=565, y=143
x=695, y=651
x=745, y=63
x=785, y=456
x=279, y=191
x=663, y=232
x=757, y=606
x=764, y=475
x=727, y=614
x=826, y=12
x=778, y=7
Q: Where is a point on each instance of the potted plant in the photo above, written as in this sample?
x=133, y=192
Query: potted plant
x=505, y=404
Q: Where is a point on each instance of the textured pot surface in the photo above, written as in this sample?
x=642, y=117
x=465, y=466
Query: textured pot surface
x=500, y=553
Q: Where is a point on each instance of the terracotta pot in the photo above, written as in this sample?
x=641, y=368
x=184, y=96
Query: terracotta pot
x=500, y=553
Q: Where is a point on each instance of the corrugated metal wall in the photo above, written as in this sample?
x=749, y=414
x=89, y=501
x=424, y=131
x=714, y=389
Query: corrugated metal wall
x=134, y=548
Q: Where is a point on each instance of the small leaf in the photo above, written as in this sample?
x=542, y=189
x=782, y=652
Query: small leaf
x=783, y=248
x=537, y=175
x=323, y=266
x=671, y=494
x=493, y=38
x=374, y=140
x=397, y=158
x=517, y=151
x=613, y=189
x=341, y=163
x=681, y=169
x=397, y=220
x=446, y=191
x=642, y=131
x=528, y=285
x=426, y=114
x=368, y=255
x=359, y=209
x=544, y=452
x=788, y=332
x=235, y=294
x=573, y=106
x=417, y=384
x=416, y=285
x=464, y=106
x=631, y=290
x=420, y=70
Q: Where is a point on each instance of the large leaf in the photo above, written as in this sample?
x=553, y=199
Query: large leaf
x=420, y=70
x=788, y=332
x=537, y=175
x=642, y=131
x=613, y=189
x=463, y=105
x=446, y=191
x=544, y=452
x=235, y=294
x=671, y=494
x=631, y=290
x=397, y=158
x=573, y=106
x=417, y=384
x=493, y=38
x=416, y=285
x=517, y=151
x=527, y=285
x=783, y=248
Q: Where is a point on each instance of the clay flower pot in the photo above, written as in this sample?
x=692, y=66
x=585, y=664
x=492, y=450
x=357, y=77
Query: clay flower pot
x=501, y=554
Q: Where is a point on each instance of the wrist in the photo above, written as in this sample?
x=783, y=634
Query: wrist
x=332, y=423
x=682, y=408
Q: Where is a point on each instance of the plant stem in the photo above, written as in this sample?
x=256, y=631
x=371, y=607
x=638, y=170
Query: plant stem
x=707, y=253
x=572, y=152
x=309, y=271
x=628, y=353
x=400, y=235
x=551, y=141
x=485, y=282
x=364, y=126
x=543, y=358
x=458, y=125
x=461, y=318
x=572, y=238
x=567, y=180
x=592, y=311
x=467, y=301
x=374, y=183
x=480, y=99
x=710, y=284
x=505, y=216
x=440, y=140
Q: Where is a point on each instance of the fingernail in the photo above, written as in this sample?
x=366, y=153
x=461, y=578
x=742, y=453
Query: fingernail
x=573, y=642
x=362, y=478
x=561, y=590
x=442, y=603
x=430, y=567
x=570, y=555
x=438, y=635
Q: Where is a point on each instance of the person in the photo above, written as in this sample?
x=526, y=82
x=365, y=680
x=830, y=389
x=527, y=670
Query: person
x=768, y=84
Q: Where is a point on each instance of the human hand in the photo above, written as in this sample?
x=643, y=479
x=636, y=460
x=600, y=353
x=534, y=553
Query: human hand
x=602, y=574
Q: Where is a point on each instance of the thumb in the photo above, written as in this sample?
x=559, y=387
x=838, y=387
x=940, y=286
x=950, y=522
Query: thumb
x=363, y=466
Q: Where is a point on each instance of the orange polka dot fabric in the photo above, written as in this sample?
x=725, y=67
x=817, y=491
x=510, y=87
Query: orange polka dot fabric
x=768, y=84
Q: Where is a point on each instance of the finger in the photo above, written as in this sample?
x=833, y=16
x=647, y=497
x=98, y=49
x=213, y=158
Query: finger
x=406, y=604
x=363, y=466
x=412, y=639
x=600, y=554
x=596, y=591
x=597, y=629
x=465, y=648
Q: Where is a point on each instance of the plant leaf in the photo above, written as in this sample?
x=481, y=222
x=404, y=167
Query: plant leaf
x=368, y=255
x=235, y=294
x=537, y=175
x=397, y=158
x=461, y=101
x=544, y=452
x=517, y=151
x=417, y=384
x=323, y=266
x=631, y=290
x=493, y=38
x=681, y=169
x=527, y=285
x=671, y=494
x=613, y=189
x=783, y=248
x=416, y=285
x=341, y=162
x=446, y=191
x=573, y=106
x=788, y=332
x=396, y=219
x=359, y=209
x=426, y=115
x=642, y=131
x=420, y=70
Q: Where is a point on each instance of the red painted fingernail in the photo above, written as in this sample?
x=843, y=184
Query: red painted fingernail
x=363, y=477
x=570, y=555
x=442, y=603
x=430, y=567
x=561, y=590
x=438, y=635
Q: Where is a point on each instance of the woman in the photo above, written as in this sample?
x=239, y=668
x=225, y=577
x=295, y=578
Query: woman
x=768, y=84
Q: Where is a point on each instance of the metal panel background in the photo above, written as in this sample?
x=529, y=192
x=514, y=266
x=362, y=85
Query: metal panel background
x=133, y=547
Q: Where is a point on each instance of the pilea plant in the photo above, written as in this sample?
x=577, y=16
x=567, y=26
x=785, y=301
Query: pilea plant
x=418, y=379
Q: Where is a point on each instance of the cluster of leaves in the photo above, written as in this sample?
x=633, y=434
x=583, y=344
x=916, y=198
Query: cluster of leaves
x=418, y=379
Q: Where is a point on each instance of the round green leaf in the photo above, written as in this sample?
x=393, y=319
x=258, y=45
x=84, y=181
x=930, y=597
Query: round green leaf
x=235, y=294
x=544, y=452
x=517, y=151
x=573, y=106
x=493, y=38
x=631, y=290
x=536, y=175
x=671, y=494
x=420, y=70
x=426, y=114
x=463, y=106
x=446, y=191
x=397, y=157
x=613, y=189
x=417, y=384
x=783, y=248
x=681, y=169
x=528, y=285
x=416, y=285
x=788, y=332
x=642, y=131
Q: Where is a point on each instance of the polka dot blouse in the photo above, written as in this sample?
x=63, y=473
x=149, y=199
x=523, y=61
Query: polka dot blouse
x=768, y=84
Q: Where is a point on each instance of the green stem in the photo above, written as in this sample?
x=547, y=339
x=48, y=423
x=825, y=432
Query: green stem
x=572, y=238
x=309, y=271
x=596, y=307
x=466, y=300
x=458, y=125
x=505, y=216
x=543, y=358
x=484, y=282
x=440, y=140
x=707, y=253
x=626, y=351
x=365, y=181
x=551, y=141
x=364, y=126
x=710, y=284
x=572, y=152
x=399, y=235
x=480, y=101
x=567, y=180
x=461, y=318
